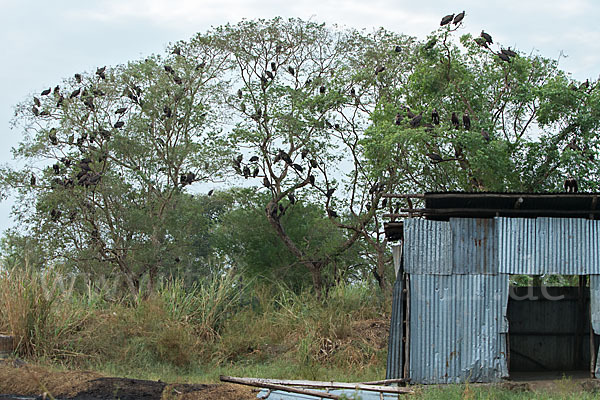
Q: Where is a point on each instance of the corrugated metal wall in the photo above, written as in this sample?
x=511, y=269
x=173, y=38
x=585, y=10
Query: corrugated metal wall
x=458, y=328
x=566, y=246
x=428, y=247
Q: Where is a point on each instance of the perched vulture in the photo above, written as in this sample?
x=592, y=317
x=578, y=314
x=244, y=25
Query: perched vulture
x=254, y=159
x=416, y=120
x=485, y=135
x=273, y=66
x=487, y=37
x=398, y=119
x=435, y=117
x=75, y=93
x=46, y=92
x=78, y=78
x=447, y=19
x=466, y=121
x=455, y=121
x=458, y=18
x=36, y=101
x=291, y=70
x=379, y=69
x=503, y=57
x=435, y=157
x=119, y=124
x=571, y=185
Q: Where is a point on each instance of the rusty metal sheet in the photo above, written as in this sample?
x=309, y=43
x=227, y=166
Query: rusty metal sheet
x=428, y=247
x=458, y=328
x=475, y=249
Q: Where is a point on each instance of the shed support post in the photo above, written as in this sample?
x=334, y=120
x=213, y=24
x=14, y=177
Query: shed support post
x=395, y=356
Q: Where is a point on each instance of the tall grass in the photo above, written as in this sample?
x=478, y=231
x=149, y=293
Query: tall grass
x=214, y=325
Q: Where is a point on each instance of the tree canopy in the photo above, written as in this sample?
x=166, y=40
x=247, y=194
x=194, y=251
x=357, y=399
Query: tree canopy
x=319, y=121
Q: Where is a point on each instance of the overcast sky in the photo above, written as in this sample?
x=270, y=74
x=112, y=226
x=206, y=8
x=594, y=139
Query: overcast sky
x=44, y=41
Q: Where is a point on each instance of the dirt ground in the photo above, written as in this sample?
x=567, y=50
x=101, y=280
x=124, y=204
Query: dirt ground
x=20, y=379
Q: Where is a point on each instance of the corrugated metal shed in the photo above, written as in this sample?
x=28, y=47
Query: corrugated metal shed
x=474, y=246
x=458, y=328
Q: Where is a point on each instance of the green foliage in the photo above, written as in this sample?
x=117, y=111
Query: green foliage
x=530, y=109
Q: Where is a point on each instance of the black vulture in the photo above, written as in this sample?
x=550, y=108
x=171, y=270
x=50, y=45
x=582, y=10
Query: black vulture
x=304, y=153
x=455, y=120
x=384, y=202
x=466, y=121
x=36, y=101
x=273, y=66
x=298, y=167
x=254, y=159
x=503, y=57
x=56, y=168
x=447, y=19
x=398, y=119
x=311, y=179
x=487, y=37
x=435, y=117
x=379, y=69
x=291, y=70
x=60, y=101
x=292, y=198
x=35, y=111
x=585, y=85
x=571, y=185
x=240, y=93
x=459, y=17
x=398, y=49
x=46, y=92
x=509, y=52
x=119, y=124
x=269, y=74
x=55, y=214
x=352, y=92
x=409, y=113
x=210, y=192
x=322, y=89
x=100, y=72
x=169, y=69
x=332, y=213
x=246, y=172
x=57, y=90
x=416, y=120
x=177, y=80
x=190, y=177
x=314, y=163
x=52, y=136
x=121, y=110
x=78, y=78
x=429, y=45
x=176, y=51
x=485, y=135
x=167, y=111
x=266, y=182
x=255, y=172
x=330, y=192
x=32, y=180
x=435, y=157
x=481, y=41
x=45, y=113
x=89, y=102
x=75, y=93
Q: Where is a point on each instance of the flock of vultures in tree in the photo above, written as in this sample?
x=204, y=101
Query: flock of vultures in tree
x=88, y=170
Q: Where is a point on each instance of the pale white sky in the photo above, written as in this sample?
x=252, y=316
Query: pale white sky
x=44, y=41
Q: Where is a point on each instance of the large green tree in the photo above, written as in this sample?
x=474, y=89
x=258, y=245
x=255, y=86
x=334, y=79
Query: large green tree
x=108, y=156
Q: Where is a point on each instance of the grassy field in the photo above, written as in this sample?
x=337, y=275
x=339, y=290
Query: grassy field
x=194, y=334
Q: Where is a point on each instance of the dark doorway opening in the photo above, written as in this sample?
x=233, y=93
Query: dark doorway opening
x=549, y=329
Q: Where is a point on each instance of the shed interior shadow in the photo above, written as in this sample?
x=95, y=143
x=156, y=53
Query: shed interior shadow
x=549, y=329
